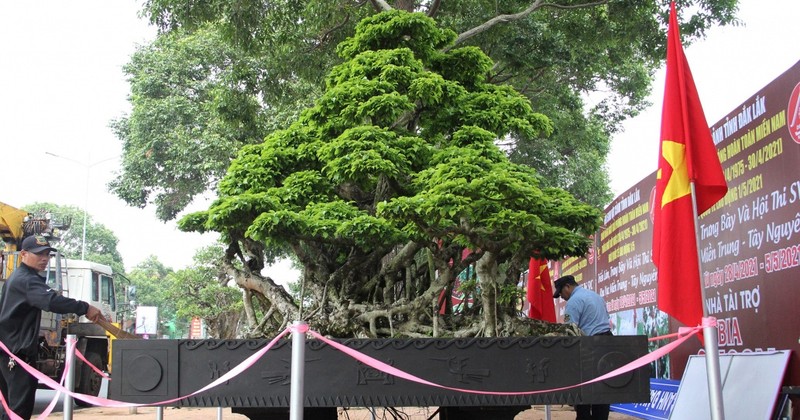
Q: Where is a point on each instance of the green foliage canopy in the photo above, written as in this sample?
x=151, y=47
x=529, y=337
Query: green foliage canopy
x=223, y=74
x=398, y=153
x=151, y=278
x=192, y=109
x=202, y=291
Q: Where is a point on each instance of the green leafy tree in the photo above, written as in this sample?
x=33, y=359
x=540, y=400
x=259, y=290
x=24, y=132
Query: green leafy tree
x=223, y=74
x=202, y=291
x=152, y=281
x=380, y=186
x=192, y=111
x=101, y=242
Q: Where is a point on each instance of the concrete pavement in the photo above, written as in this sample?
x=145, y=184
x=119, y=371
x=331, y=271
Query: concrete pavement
x=191, y=413
x=45, y=396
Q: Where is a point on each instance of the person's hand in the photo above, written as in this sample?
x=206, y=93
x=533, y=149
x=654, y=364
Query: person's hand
x=94, y=314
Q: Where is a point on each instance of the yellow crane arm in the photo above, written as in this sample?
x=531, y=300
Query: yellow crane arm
x=11, y=221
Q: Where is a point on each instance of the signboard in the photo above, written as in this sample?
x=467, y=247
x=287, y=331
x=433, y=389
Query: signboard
x=663, y=394
x=583, y=269
x=750, y=386
x=196, y=329
x=146, y=320
x=749, y=241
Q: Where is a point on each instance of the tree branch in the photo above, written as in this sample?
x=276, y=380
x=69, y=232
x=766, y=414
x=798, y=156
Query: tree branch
x=381, y=5
x=327, y=34
x=434, y=9
x=516, y=16
x=574, y=6
x=407, y=5
x=496, y=21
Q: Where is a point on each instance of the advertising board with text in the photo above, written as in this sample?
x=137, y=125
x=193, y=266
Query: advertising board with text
x=749, y=241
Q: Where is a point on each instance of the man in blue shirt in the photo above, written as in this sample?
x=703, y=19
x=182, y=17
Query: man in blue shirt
x=587, y=310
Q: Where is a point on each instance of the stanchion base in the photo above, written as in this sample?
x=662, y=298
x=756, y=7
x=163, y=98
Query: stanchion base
x=261, y=413
x=330, y=413
x=480, y=413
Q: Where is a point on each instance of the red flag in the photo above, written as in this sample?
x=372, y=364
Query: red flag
x=687, y=154
x=540, y=291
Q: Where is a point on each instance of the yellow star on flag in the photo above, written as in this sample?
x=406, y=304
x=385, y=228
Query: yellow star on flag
x=678, y=184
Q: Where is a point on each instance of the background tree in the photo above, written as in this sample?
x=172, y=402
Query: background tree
x=224, y=73
x=202, y=291
x=152, y=282
x=192, y=109
x=101, y=242
x=381, y=185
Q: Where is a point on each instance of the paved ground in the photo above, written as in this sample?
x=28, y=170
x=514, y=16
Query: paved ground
x=148, y=413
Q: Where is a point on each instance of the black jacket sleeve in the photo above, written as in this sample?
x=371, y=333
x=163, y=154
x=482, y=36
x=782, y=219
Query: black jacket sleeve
x=47, y=299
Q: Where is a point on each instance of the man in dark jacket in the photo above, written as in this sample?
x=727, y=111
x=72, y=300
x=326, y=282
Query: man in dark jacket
x=25, y=295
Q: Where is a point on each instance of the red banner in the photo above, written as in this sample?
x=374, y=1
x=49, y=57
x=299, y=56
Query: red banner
x=540, y=291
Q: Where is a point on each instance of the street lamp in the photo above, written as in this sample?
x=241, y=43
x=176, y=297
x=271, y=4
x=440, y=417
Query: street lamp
x=88, y=167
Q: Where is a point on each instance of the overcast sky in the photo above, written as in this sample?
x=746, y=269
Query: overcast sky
x=728, y=67
x=61, y=83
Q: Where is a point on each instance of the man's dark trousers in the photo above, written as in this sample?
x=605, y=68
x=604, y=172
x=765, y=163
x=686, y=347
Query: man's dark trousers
x=23, y=393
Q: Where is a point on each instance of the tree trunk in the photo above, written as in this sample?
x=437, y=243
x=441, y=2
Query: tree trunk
x=488, y=273
x=252, y=322
x=275, y=294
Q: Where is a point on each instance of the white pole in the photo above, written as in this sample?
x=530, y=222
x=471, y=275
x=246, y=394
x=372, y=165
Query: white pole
x=85, y=204
x=160, y=413
x=547, y=412
x=219, y=413
x=709, y=333
x=88, y=165
x=72, y=339
x=298, y=372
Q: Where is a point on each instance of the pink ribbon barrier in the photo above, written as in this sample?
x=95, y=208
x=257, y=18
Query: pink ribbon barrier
x=683, y=334
x=93, y=367
x=67, y=366
x=377, y=364
x=705, y=322
x=12, y=415
x=105, y=402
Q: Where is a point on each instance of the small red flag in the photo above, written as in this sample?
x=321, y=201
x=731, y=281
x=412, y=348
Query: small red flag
x=540, y=291
x=687, y=154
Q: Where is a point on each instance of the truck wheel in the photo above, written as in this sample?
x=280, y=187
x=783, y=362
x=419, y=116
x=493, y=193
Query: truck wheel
x=90, y=381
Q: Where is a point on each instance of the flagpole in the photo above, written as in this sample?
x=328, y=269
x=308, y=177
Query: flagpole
x=709, y=332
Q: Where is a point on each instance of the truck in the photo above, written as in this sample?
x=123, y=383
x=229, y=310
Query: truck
x=77, y=279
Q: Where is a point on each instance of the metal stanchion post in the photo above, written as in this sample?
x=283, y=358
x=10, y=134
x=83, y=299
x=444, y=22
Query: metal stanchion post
x=219, y=413
x=70, y=378
x=713, y=374
x=159, y=413
x=715, y=401
x=547, y=412
x=298, y=371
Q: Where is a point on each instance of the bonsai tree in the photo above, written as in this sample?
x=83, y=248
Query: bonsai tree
x=390, y=185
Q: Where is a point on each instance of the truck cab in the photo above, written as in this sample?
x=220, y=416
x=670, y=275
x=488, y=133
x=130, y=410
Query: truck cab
x=90, y=282
x=77, y=279
x=85, y=280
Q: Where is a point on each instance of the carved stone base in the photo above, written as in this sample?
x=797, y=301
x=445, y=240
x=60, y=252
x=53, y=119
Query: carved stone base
x=148, y=371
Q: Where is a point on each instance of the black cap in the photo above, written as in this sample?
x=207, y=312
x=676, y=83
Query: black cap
x=36, y=244
x=560, y=283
